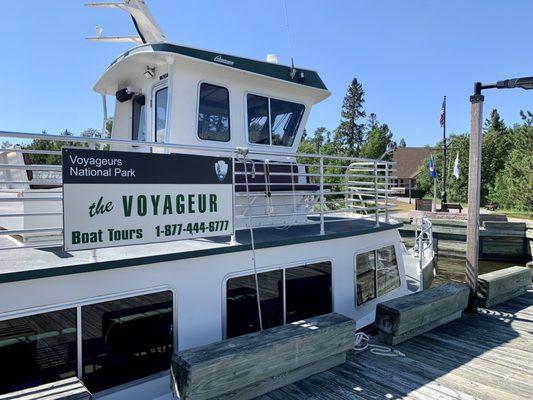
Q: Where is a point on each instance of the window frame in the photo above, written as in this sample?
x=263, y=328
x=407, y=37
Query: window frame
x=133, y=118
x=78, y=304
x=270, y=268
x=153, y=106
x=198, y=90
x=354, y=273
x=268, y=97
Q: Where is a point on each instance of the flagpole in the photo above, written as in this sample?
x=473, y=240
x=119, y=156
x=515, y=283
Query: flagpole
x=444, y=198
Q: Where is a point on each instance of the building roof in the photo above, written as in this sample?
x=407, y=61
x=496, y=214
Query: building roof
x=276, y=71
x=408, y=160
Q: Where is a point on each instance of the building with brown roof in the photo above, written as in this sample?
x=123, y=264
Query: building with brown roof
x=408, y=161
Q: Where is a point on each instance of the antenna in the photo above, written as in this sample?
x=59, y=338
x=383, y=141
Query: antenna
x=293, y=70
x=145, y=23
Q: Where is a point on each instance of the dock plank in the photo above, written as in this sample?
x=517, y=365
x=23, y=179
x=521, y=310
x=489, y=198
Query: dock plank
x=484, y=356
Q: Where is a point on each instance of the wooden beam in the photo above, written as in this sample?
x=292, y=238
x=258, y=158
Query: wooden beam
x=474, y=190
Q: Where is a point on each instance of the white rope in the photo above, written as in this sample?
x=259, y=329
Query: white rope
x=361, y=343
x=252, y=240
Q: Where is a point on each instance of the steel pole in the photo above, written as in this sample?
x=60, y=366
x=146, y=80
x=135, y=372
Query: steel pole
x=444, y=197
x=474, y=189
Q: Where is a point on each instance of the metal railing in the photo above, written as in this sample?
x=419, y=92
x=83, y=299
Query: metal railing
x=283, y=189
x=424, y=243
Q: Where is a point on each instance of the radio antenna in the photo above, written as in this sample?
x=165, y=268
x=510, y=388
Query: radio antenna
x=289, y=41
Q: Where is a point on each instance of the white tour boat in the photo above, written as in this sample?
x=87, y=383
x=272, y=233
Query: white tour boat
x=309, y=234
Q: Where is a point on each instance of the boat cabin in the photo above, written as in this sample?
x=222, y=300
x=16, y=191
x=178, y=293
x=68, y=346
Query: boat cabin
x=167, y=93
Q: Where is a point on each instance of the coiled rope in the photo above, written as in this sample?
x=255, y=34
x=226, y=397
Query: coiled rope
x=362, y=343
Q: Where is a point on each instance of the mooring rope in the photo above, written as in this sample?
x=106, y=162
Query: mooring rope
x=362, y=343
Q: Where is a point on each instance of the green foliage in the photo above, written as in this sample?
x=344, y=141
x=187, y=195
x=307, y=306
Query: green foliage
x=513, y=186
x=402, y=143
x=350, y=133
x=377, y=139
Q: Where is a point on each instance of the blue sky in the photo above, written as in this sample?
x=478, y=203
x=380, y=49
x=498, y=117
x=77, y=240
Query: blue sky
x=407, y=55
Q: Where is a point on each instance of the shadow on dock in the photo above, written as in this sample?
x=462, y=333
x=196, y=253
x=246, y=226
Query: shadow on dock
x=484, y=356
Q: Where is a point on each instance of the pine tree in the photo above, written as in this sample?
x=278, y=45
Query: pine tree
x=402, y=143
x=318, y=137
x=494, y=123
x=377, y=139
x=350, y=133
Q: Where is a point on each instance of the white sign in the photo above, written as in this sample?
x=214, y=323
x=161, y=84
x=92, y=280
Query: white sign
x=119, y=198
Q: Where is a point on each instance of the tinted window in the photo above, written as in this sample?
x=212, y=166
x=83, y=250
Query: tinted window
x=241, y=303
x=376, y=273
x=308, y=291
x=285, y=118
x=37, y=349
x=161, y=99
x=213, y=113
x=258, y=129
x=365, y=277
x=138, y=119
x=126, y=339
x=387, y=269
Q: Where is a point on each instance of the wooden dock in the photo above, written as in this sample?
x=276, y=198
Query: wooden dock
x=484, y=356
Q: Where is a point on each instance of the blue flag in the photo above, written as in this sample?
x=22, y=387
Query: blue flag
x=432, y=170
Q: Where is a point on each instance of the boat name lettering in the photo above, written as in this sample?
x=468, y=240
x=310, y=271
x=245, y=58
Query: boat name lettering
x=169, y=204
x=221, y=60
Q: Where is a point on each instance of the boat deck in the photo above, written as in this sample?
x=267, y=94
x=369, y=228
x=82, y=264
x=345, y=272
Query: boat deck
x=484, y=356
x=27, y=263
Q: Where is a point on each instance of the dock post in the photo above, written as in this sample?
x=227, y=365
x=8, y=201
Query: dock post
x=474, y=189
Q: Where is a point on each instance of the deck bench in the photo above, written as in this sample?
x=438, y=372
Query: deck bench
x=403, y=318
x=452, y=206
x=66, y=389
x=498, y=286
x=250, y=365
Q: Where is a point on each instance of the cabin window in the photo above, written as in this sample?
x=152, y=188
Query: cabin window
x=37, y=349
x=127, y=339
x=242, y=313
x=285, y=118
x=307, y=289
x=376, y=274
x=161, y=102
x=273, y=121
x=138, y=118
x=258, y=126
x=213, y=113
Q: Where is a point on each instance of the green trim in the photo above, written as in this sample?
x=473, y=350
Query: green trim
x=139, y=261
x=277, y=71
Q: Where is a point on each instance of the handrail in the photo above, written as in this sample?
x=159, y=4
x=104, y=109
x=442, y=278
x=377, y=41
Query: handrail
x=305, y=190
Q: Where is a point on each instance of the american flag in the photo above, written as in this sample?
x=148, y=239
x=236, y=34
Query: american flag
x=443, y=112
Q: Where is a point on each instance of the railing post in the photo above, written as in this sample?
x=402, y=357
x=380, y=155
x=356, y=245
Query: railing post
x=387, y=192
x=233, y=238
x=322, y=199
x=376, y=198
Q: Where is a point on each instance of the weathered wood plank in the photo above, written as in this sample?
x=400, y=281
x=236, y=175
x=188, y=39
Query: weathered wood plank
x=262, y=361
x=66, y=389
x=498, y=286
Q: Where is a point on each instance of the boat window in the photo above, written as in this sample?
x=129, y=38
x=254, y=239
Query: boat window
x=127, y=339
x=285, y=118
x=213, y=113
x=308, y=291
x=161, y=101
x=258, y=130
x=308, y=294
x=241, y=303
x=273, y=121
x=37, y=349
x=387, y=270
x=376, y=274
x=138, y=118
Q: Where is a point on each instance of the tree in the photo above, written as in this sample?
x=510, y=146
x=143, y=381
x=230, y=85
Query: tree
x=513, y=186
x=527, y=117
x=402, y=143
x=350, y=133
x=319, y=137
x=6, y=145
x=494, y=122
x=377, y=138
